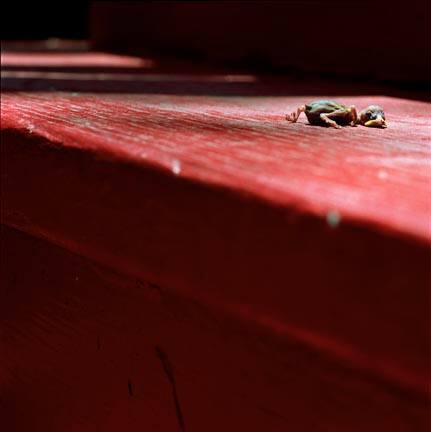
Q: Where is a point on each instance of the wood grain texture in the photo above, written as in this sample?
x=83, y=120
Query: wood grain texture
x=366, y=175
x=196, y=183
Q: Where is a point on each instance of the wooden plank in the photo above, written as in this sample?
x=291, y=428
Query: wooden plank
x=86, y=348
x=51, y=60
x=244, y=143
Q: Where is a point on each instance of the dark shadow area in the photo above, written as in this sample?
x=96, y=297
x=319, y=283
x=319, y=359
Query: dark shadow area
x=51, y=45
x=38, y=20
x=131, y=80
x=202, y=67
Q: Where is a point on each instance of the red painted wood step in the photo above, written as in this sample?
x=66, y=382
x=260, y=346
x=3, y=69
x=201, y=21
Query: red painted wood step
x=303, y=236
x=85, y=348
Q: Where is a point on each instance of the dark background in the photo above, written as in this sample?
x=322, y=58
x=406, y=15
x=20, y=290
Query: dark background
x=33, y=20
x=385, y=40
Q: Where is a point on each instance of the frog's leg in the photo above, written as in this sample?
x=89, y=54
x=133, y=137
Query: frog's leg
x=294, y=116
x=354, y=115
x=326, y=117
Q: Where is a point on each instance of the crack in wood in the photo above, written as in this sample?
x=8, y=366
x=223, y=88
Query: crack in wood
x=169, y=372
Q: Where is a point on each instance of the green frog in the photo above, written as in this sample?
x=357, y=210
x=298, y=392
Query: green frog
x=336, y=115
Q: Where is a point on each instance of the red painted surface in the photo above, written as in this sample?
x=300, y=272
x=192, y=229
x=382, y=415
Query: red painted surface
x=212, y=196
x=245, y=144
x=86, y=349
x=78, y=59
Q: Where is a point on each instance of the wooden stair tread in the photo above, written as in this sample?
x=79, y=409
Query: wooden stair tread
x=244, y=143
x=188, y=183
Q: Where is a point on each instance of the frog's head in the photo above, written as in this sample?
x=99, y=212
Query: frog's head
x=372, y=116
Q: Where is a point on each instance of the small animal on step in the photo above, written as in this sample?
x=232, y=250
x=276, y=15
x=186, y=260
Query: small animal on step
x=336, y=115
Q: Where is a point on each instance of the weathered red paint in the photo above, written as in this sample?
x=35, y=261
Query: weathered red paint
x=277, y=274
x=246, y=144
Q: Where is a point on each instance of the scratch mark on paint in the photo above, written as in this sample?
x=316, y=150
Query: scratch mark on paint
x=167, y=368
